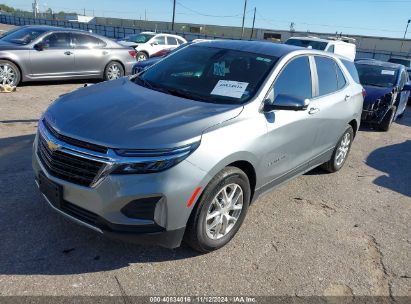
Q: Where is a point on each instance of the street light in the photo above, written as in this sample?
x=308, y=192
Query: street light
x=405, y=34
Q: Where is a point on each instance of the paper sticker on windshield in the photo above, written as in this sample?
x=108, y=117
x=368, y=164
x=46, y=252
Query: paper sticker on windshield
x=230, y=88
x=387, y=72
x=220, y=69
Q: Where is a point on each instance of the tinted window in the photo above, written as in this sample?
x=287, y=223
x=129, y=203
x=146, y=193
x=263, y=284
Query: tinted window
x=340, y=78
x=331, y=49
x=180, y=41
x=350, y=66
x=141, y=38
x=295, y=80
x=57, y=40
x=22, y=36
x=172, y=41
x=327, y=76
x=376, y=75
x=209, y=74
x=161, y=40
x=316, y=45
x=86, y=41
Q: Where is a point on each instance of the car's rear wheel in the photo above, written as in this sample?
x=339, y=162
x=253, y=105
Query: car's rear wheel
x=386, y=122
x=341, y=151
x=141, y=56
x=114, y=70
x=220, y=211
x=9, y=73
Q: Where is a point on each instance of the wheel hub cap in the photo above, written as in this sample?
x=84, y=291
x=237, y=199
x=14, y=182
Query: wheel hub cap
x=343, y=149
x=7, y=75
x=224, y=211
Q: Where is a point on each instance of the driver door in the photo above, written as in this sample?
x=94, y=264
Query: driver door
x=290, y=138
x=55, y=59
x=158, y=43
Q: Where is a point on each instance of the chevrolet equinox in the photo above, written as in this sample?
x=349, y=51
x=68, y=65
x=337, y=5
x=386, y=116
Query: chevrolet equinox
x=179, y=151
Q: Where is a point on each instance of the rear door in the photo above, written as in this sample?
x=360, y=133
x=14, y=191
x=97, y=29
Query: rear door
x=56, y=60
x=329, y=109
x=90, y=55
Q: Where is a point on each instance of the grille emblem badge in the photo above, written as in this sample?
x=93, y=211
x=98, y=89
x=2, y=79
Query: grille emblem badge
x=52, y=146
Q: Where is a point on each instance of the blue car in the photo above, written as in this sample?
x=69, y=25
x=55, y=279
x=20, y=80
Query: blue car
x=387, y=89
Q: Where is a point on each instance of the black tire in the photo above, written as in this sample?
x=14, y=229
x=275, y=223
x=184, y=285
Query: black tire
x=387, y=120
x=334, y=164
x=114, y=70
x=196, y=236
x=15, y=69
x=141, y=56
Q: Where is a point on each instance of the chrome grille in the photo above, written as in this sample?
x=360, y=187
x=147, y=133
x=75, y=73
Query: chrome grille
x=68, y=167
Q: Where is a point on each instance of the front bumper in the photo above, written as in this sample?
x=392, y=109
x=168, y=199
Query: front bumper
x=100, y=207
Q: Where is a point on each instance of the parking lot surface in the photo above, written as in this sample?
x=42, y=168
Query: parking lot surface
x=347, y=233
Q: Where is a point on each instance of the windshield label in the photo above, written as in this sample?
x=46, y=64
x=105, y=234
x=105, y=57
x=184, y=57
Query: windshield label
x=387, y=72
x=220, y=69
x=230, y=88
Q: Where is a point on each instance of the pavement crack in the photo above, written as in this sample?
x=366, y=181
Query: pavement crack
x=122, y=291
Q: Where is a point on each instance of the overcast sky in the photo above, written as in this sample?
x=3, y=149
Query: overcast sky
x=365, y=17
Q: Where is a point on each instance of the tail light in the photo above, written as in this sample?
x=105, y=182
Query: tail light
x=133, y=53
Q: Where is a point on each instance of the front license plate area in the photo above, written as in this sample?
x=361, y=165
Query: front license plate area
x=51, y=190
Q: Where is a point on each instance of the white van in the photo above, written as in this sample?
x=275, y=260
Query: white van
x=343, y=46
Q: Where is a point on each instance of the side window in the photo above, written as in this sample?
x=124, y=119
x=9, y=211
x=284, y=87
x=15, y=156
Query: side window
x=340, y=78
x=82, y=41
x=327, y=76
x=403, y=80
x=161, y=40
x=57, y=41
x=180, y=41
x=331, y=49
x=172, y=41
x=294, y=79
x=350, y=66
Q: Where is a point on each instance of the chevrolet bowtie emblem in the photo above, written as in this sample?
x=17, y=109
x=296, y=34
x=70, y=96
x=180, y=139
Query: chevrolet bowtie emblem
x=52, y=146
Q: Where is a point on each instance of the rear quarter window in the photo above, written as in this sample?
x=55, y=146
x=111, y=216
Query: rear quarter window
x=350, y=66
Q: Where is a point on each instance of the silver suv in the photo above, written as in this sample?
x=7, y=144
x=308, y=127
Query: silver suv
x=180, y=151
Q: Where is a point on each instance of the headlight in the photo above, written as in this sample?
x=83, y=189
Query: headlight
x=151, y=161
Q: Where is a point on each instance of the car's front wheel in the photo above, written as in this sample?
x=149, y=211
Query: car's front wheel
x=220, y=211
x=386, y=122
x=341, y=151
x=114, y=70
x=9, y=73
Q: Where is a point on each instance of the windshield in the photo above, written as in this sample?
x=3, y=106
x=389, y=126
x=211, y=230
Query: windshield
x=405, y=62
x=141, y=38
x=23, y=36
x=209, y=74
x=316, y=45
x=375, y=75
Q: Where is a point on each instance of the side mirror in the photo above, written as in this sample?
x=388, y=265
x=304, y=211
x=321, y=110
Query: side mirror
x=39, y=46
x=286, y=102
x=154, y=43
x=407, y=87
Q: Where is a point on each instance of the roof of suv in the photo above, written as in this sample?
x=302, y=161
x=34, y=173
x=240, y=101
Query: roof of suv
x=259, y=47
x=384, y=64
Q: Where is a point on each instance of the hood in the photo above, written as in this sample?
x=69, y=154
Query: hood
x=7, y=46
x=122, y=114
x=373, y=93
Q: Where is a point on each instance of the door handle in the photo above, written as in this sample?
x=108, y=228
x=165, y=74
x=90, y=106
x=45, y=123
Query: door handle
x=313, y=111
x=68, y=53
x=347, y=97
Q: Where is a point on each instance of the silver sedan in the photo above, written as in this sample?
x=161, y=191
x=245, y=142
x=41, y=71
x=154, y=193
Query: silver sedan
x=32, y=53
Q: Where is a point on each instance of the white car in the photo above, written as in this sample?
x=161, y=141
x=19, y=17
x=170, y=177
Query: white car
x=148, y=43
x=343, y=46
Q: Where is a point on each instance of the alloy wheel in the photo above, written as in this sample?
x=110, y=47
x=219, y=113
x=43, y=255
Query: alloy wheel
x=224, y=211
x=343, y=149
x=113, y=72
x=8, y=75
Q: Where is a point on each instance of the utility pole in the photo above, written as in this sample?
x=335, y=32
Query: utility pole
x=242, y=27
x=174, y=15
x=35, y=8
x=84, y=11
x=405, y=34
x=252, y=29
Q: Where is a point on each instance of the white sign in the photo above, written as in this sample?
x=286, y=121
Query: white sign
x=230, y=88
x=387, y=72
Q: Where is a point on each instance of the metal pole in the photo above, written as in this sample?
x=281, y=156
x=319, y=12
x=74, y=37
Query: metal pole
x=252, y=29
x=242, y=26
x=35, y=6
x=405, y=34
x=174, y=15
